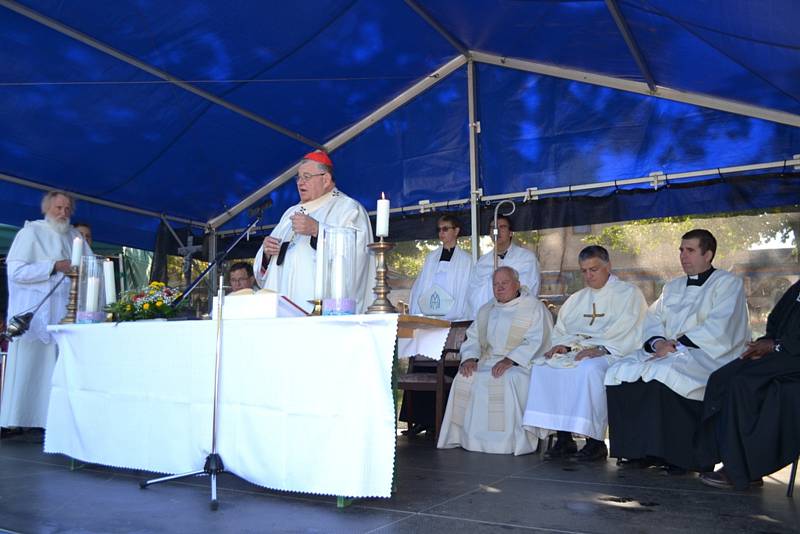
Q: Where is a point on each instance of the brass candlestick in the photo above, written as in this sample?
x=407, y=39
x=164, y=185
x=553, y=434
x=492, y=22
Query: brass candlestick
x=317, y=306
x=381, y=289
x=72, y=303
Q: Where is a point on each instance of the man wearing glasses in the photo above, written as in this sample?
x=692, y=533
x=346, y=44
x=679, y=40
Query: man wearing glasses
x=286, y=262
x=441, y=287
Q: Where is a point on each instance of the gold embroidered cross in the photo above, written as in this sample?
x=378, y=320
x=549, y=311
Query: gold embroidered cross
x=594, y=315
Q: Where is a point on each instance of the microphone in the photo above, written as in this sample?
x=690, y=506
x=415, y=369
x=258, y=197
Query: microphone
x=257, y=209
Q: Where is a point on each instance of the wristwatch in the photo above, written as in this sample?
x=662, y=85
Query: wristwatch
x=776, y=346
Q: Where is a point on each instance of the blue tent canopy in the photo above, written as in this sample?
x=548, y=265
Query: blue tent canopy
x=196, y=109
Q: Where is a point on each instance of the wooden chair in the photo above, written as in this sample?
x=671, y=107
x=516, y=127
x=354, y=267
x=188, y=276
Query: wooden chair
x=419, y=377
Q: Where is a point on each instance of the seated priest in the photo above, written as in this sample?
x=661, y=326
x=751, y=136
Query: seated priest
x=596, y=326
x=522, y=260
x=697, y=325
x=484, y=409
x=440, y=290
x=751, y=410
x=241, y=277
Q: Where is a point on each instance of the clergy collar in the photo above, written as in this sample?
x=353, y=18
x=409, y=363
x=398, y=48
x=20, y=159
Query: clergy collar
x=699, y=279
x=447, y=254
x=312, y=205
x=502, y=255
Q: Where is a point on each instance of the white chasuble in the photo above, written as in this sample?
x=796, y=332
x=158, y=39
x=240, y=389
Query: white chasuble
x=484, y=414
x=31, y=358
x=450, y=277
x=480, y=284
x=570, y=395
x=713, y=316
x=296, y=276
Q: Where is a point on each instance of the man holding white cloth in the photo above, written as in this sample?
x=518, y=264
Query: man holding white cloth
x=595, y=326
x=484, y=409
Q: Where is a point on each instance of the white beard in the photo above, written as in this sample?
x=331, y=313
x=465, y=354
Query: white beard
x=57, y=226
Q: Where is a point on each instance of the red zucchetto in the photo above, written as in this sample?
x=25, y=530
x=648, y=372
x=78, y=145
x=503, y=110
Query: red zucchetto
x=320, y=157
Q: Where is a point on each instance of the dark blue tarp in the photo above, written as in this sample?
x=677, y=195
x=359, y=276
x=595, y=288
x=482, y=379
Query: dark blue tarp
x=77, y=118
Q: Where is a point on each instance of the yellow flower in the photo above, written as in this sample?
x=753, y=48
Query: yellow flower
x=160, y=303
x=146, y=306
x=130, y=307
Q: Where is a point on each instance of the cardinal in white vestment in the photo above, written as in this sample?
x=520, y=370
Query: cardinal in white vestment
x=698, y=324
x=37, y=260
x=484, y=409
x=519, y=258
x=595, y=326
x=287, y=260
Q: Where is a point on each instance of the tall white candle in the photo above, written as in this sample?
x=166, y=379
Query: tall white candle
x=320, y=272
x=77, y=252
x=382, y=217
x=92, y=293
x=109, y=283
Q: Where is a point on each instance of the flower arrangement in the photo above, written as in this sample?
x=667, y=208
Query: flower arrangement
x=153, y=302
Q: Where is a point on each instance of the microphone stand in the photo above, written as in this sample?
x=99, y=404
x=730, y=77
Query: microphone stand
x=221, y=256
x=213, y=465
x=495, y=232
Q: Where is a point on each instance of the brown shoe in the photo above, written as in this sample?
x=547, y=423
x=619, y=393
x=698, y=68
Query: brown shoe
x=719, y=479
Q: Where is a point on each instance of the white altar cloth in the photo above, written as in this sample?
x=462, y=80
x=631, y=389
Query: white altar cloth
x=305, y=403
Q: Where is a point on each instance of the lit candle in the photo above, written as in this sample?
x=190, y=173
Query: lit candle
x=109, y=283
x=319, y=274
x=382, y=217
x=92, y=293
x=77, y=252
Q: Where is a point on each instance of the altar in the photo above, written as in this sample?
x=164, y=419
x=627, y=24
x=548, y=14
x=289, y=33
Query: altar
x=305, y=403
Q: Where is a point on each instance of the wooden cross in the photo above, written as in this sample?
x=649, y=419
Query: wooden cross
x=594, y=315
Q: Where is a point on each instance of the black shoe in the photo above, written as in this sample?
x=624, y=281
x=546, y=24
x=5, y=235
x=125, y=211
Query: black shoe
x=593, y=451
x=562, y=449
x=10, y=432
x=639, y=463
x=674, y=470
x=415, y=430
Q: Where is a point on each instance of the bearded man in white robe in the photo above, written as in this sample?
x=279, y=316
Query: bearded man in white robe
x=484, y=409
x=697, y=325
x=441, y=288
x=597, y=325
x=287, y=260
x=37, y=260
x=519, y=258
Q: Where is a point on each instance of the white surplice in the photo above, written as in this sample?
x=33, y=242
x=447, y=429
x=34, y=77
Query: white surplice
x=713, y=316
x=570, y=395
x=484, y=414
x=480, y=284
x=296, y=277
x=451, y=277
x=31, y=358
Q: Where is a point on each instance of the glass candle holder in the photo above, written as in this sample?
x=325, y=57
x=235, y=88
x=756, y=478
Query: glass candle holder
x=339, y=259
x=91, y=293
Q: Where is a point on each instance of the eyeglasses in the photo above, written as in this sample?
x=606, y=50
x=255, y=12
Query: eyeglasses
x=307, y=176
x=445, y=228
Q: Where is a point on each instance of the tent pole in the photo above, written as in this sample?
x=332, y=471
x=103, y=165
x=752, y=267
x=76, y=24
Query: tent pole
x=474, y=128
x=212, y=253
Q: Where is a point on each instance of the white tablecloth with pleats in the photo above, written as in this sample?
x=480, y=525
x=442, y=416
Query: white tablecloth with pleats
x=305, y=403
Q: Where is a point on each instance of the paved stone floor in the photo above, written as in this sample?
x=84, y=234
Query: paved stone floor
x=437, y=491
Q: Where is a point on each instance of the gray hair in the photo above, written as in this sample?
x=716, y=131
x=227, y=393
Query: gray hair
x=594, y=251
x=510, y=270
x=322, y=167
x=50, y=195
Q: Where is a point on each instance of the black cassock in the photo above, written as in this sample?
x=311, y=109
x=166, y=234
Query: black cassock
x=751, y=409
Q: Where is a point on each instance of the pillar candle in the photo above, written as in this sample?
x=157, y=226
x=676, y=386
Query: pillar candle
x=320, y=272
x=109, y=283
x=382, y=217
x=77, y=252
x=92, y=293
